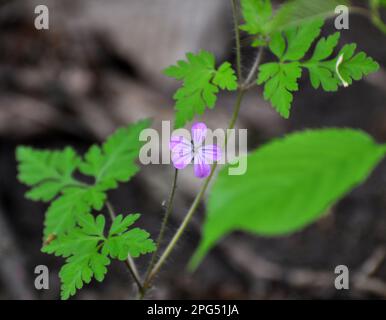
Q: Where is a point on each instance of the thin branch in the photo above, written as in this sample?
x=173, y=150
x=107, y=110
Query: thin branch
x=249, y=82
x=169, y=207
x=129, y=261
x=237, y=35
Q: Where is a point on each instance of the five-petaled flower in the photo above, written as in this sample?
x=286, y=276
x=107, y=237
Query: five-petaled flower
x=184, y=151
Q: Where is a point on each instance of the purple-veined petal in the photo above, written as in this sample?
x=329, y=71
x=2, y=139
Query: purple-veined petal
x=201, y=168
x=198, y=133
x=179, y=141
x=182, y=154
x=210, y=153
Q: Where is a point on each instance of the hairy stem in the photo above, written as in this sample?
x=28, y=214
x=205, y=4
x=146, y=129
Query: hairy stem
x=237, y=36
x=169, y=208
x=249, y=82
x=129, y=261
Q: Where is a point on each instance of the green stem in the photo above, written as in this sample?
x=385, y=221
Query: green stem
x=249, y=82
x=237, y=36
x=169, y=207
x=376, y=17
x=129, y=261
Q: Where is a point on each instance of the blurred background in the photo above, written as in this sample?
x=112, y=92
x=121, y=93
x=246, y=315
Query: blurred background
x=99, y=67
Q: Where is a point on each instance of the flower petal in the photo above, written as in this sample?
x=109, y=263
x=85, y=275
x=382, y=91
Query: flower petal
x=210, y=153
x=182, y=152
x=201, y=168
x=198, y=133
x=179, y=141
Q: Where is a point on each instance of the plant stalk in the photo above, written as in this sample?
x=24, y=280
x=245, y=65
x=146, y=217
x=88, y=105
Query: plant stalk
x=249, y=82
x=169, y=208
x=237, y=36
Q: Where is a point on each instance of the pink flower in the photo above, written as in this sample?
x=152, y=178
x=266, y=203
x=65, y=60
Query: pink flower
x=184, y=151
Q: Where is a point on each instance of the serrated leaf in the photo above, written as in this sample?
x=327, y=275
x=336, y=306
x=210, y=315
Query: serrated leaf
x=201, y=83
x=355, y=67
x=298, y=12
x=121, y=224
x=64, y=212
x=225, y=77
x=323, y=76
x=256, y=14
x=78, y=240
x=122, y=242
x=80, y=269
x=47, y=172
x=300, y=39
x=87, y=249
x=322, y=73
x=114, y=161
x=280, y=81
x=325, y=47
x=92, y=226
x=281, y=78
x=81, y=246
x=351, y=67
x=289, y=184
x=136, y=242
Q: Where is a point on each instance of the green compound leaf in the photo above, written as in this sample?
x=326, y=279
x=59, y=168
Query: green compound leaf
x=88, y=251
x=354, y=66
x=280, y=81
x=122, y=243
x=225, y=77
x=64, y=212
x=342, y=70
x=81, y=247
x=80, y=269
x=256, y=14
x=323, y=73
x=201, y=83
x=120, y=224
x=114, y=161
x=47, y=172
x=50, y=174
x=290, y=183
x=79, y=239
